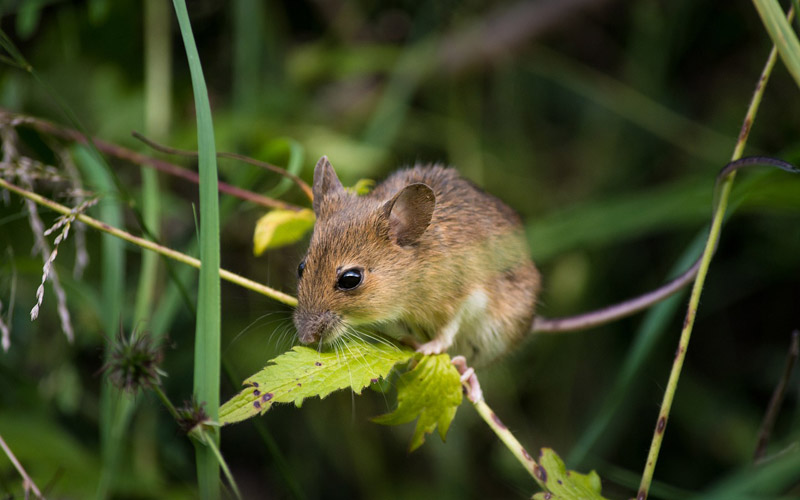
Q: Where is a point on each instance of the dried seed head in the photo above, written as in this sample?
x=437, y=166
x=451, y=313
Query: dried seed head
x=133, y=362
x=192, y=416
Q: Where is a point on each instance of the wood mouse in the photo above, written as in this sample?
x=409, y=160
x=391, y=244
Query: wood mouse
x=426, y=256
x=430, y=257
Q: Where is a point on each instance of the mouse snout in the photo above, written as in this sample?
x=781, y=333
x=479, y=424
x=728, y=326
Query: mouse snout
x=313, y=326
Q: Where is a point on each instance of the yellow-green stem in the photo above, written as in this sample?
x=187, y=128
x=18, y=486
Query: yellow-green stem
x=211, y=443
x=713, y=236
x=505, y=435
x=149, y=245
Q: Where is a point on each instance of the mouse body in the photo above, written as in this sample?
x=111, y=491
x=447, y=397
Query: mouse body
x=425, y=257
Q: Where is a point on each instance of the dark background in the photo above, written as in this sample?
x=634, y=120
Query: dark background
x=603, y=123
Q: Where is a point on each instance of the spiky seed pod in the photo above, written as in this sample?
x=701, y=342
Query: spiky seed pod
x=192, y=416
x=133, y=362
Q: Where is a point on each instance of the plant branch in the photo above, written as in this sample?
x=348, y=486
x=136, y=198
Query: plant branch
x=686, y=333
x=511, y=442
x=777, y=397
x=208, y=440
x=53, y=129
x=149, y=245
x=27, y=482
x=233, y=156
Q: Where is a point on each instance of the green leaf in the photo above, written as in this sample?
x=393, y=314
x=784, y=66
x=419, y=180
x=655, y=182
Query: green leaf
x=281, y=227
x=563, y=484
x=432, y=392
x=362, y=187
x=304, y=372
x=782, y=35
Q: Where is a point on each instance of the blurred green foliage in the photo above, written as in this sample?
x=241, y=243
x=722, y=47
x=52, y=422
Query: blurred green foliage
x=602, y=123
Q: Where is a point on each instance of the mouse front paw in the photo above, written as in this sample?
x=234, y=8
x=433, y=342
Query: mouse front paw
x=435, y=346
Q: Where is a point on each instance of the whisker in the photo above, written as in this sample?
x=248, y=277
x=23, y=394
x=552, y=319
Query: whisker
x=247, y=328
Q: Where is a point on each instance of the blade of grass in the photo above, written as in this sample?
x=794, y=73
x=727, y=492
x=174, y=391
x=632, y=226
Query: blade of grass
x=779, y=27
x=772, y=477
x=115, y=405
x=694, y=299
x=158, y=102
x=207, y=336
x=674, y=128
x=157, y=88
x=653, y=326
x=248, y=52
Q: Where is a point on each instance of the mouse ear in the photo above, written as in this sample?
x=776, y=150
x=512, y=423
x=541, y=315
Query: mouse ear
x=409, y=213
x=325, y=182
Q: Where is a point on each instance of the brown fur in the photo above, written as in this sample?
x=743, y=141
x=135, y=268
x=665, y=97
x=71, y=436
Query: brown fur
x=467, y=259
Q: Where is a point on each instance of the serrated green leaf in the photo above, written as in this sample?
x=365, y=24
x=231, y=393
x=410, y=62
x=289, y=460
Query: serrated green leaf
x=562, y=484
x=281, y=227
x=304, y=372
x=430, y=392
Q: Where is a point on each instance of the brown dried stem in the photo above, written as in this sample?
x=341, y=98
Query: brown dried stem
x=777, y=397
x=120, y=152
x=233, y=156
x=27, y=482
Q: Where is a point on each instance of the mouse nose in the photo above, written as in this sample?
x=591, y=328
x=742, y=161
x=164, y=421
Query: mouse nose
x=313, y=326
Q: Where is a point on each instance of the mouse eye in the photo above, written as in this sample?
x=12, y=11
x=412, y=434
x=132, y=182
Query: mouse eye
x=300, y=269
x=350, y=279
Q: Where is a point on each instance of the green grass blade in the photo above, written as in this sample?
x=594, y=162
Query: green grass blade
x=115, y=406
x=207, y=337
x=625, y=101
x=158, y=102
x=769, y=479
x=248, y=53
x=780, y=30
x=653, y=326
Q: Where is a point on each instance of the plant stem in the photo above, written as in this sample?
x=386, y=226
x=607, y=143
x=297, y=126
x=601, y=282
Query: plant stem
x=777, y=398
x=511, y=442
x=27, y=482
x=691, y=312
x=149, y=245
x=210, y=442
x=232, y=156
x=167, y=403
x=209, y=321
x=108, y=148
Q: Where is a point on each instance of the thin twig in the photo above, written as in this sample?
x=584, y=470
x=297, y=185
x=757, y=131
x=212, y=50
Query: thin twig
x=688, y=324
x=777, y=398
x=47, y=127
x=233, y=156
x=508, y=439
x=149, y=245
x=27, y=482
x=209, y=441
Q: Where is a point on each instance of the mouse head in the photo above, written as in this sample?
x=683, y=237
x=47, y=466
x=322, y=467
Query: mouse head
x=362, y=257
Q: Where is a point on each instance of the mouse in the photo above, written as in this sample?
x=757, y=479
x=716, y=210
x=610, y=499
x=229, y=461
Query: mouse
x=431, y=259
x=426, y=257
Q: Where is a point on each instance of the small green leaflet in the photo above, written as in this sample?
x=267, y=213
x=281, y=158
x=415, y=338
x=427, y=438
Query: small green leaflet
x=362, y=187
x=563, y=484
x=303, y=372
x=432, y=392
x=279, y=227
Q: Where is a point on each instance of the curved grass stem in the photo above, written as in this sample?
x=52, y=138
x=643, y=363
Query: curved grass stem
x=508, y=439
x=691, y=312
x=149, y=245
